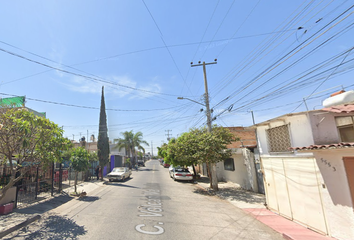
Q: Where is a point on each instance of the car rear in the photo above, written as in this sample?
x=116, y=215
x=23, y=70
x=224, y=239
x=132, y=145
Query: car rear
x=182, y=174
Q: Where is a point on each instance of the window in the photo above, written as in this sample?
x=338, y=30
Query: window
x=345, y=127
x=229, y=164
x=279, y=139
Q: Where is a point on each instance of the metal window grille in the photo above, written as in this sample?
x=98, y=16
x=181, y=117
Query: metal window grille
x=279, y=139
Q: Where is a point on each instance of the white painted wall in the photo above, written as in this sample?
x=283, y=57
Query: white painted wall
x=244, y=174
x=300, y=132
x=336, y=194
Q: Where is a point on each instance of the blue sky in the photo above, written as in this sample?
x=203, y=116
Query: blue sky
x=270, y=56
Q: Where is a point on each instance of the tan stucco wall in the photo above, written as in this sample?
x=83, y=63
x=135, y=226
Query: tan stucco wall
x=336, y=194
x=243, y=175
x=9, y=197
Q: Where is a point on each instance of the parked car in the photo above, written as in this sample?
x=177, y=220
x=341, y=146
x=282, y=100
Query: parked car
x=119, y=173
x=166, y=165
x=181, y=174
x=141, y=163
x=171, y=168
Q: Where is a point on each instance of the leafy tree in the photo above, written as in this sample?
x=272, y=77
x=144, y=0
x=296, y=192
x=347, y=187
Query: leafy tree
x=93, y=157
x=103, y=143
x=198, y=146
x=79, y=161
x=31, y=139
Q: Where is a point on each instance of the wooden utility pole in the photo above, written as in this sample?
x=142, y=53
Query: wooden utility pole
x=212, y=166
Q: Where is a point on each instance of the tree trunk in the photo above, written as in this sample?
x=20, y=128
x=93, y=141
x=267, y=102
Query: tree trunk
x=194, y=172
x=214, y=180
x=75, y=181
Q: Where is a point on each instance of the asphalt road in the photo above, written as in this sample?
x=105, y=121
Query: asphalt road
x=150, y=205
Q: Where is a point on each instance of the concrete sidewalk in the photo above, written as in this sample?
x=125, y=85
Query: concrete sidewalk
x=45, y=206
x=254, y=204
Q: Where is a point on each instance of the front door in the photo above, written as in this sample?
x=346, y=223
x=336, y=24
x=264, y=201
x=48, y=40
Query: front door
x=349, y=169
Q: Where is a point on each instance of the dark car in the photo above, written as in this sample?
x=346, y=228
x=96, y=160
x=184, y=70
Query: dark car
x=141, y=163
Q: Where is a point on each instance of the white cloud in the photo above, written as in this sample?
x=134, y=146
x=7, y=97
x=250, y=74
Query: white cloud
x=82, y=85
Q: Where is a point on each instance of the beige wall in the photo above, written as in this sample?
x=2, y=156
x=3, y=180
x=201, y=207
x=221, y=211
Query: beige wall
x=244, y=174
x=335, y=192
x=9, y=197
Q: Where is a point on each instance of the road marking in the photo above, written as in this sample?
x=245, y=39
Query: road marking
x=160, y=229
x=151, y=208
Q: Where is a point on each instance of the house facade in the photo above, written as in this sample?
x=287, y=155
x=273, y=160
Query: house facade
x=241, y=168
x=308, y=170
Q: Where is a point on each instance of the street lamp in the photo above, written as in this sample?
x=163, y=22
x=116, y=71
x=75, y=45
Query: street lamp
x=181, y=98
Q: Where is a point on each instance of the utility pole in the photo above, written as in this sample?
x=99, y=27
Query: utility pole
x=214, y=180
x=168, y=134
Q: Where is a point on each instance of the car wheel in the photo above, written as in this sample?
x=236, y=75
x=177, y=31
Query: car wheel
x=110, y=180
x=174, y=179
x=123, y=179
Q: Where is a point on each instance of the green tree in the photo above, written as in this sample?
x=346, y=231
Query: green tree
x=137, y=143
x=103, y=143
x=125, y=142
x=198, y=146
x=131, y=142
x=79, y=161
x=27, y=140
x=93, y=157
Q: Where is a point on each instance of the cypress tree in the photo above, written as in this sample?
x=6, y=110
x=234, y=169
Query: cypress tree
x=102, y=142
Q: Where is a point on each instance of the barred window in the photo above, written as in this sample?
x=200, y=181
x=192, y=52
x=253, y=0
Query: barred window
x=229, y=164
x=279, y=139
x=345, y=127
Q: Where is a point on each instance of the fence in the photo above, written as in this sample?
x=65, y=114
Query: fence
x=40, y=183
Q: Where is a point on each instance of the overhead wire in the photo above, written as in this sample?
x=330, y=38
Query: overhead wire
x=168, y=50
x=335, y=69
x=258, y=50
x=294, y=51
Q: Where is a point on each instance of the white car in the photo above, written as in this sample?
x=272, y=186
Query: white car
x=181, y=174
x=119, y=173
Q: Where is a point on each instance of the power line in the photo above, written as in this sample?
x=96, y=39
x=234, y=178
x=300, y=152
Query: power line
x=87, y=107
x=81, y=75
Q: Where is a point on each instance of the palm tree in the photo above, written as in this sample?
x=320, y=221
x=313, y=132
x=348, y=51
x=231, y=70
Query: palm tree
x=126, y=142
x=130, y=141
x=137, y=142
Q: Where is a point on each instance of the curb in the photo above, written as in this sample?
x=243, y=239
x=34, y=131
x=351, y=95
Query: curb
x=18, y=226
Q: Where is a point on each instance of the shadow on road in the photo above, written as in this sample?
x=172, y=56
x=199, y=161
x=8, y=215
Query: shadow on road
x=118, y=184
x=53, y=227
x=88, y=199
x=148, y=170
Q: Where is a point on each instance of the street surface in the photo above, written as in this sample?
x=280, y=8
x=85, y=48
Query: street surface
x=150, y=205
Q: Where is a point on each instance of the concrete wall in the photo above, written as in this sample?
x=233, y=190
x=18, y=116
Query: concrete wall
x=9, y=197
x=244, y=174
x=335, y=192
x=300, y=132
x=324, y=127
